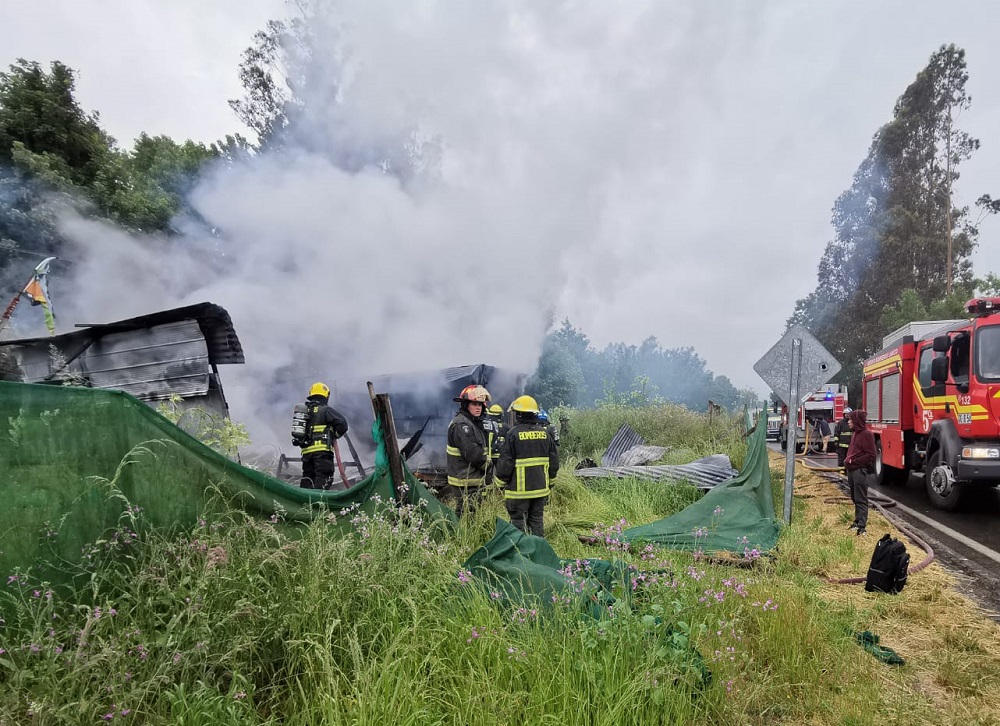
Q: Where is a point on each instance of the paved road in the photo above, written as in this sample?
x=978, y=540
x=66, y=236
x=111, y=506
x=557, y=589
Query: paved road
x=967, y=541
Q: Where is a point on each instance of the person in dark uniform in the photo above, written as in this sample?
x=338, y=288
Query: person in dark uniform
x=546, y=423
x=327, y=424
x=494, y=428
x=468, y=456
x=527, y=464
x=842, y=435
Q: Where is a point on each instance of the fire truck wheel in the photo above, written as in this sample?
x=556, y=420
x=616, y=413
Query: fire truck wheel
x=891, y=476
x=944, y=492
x=888, y=476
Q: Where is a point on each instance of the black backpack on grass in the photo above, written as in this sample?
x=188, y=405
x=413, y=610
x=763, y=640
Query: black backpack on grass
x=888, y=570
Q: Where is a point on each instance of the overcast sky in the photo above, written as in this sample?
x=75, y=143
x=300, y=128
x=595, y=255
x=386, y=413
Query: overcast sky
x=680, y=158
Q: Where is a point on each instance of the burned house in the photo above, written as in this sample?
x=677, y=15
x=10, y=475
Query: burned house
x=153, y=357
x=422, y=407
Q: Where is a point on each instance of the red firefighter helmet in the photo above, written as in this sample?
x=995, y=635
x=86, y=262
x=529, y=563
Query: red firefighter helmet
x=473, y=394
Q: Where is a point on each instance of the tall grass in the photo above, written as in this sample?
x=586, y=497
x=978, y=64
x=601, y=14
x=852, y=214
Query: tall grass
x=686, y=434
x=244, y=621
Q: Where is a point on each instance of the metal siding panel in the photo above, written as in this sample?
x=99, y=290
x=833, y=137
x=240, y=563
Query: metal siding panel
x=890, y=398
x=153, y=363
x=871, y=400
x=35, y=363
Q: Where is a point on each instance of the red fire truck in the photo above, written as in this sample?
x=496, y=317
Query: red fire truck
x=826, y=403
x=933, y=401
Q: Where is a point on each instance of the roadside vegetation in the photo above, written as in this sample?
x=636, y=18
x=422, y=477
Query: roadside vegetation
x=249, y=621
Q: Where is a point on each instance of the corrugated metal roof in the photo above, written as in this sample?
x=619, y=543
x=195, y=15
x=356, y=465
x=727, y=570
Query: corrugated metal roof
x=152, y=356
x=621, y=442
x=705, y=473
x=216, y=327
x=642, y=454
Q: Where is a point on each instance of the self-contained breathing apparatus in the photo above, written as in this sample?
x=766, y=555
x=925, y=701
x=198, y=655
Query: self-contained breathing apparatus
x=304, y=417
x=302, y=420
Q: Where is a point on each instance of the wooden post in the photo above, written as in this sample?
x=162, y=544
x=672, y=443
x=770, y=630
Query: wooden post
x=383, y=410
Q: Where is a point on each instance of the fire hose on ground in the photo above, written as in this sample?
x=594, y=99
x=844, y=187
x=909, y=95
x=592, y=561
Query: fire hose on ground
x=880, y=503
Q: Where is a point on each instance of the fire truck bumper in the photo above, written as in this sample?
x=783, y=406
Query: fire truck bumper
x=979, y=470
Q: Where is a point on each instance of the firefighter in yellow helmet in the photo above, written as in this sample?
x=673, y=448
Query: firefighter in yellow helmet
x=324, y=424
x=468, y=456
x=528, y=461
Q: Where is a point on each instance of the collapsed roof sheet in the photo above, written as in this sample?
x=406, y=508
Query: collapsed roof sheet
x=705, y=473
x=622, y=441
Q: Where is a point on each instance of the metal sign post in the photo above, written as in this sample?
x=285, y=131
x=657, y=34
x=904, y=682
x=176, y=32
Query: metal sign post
x=793, y=388
x=795, y=367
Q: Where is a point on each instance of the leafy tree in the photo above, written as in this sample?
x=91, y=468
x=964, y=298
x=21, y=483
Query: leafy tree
x=558, y=380
x=896, y=227
x=989, y=285
x=147, y=187
x=294, y=96
x=44, y=130
x=51, y=145
x=571, y=372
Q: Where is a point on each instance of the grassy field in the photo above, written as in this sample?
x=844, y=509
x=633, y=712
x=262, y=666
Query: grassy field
x=244, y=621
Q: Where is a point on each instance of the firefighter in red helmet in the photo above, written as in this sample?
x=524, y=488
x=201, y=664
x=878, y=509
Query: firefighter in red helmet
x=468, y=457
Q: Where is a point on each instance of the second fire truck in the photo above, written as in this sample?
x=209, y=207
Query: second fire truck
x=827, y=403
x=933, y=401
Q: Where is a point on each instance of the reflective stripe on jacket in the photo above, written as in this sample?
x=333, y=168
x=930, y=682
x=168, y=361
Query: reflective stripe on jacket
x=494, y=435
x=328, y=424
x=528, y=462
x=320, y=440
x=467, y=452
x=843, y=433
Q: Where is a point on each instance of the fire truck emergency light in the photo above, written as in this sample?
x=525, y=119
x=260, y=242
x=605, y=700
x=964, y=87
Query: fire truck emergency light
x=982, y=306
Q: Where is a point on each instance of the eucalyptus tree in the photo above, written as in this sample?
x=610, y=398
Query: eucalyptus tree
x=897, y=226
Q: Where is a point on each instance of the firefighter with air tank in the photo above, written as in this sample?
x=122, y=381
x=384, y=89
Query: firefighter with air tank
x=528, y=462
x=315, y=426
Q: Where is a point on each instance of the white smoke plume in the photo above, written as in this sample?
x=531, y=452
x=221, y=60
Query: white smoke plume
x=562, y=180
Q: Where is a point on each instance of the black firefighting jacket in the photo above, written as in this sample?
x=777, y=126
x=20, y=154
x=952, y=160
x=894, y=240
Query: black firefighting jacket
x=327, y=424
x=527, y=462
x=467, y=454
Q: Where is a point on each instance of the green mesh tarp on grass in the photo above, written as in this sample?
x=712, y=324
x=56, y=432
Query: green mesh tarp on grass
x=60, y=447
x=524, y=570
x=527, y=571
x=732, y=517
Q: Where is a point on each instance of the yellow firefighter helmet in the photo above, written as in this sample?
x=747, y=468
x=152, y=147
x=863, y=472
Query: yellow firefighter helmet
x=525, y=404
x=319, y=389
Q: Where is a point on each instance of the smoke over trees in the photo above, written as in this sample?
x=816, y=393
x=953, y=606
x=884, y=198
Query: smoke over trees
x=572, y=373
x=56, y=157
x=901, y=244
x=295, y=96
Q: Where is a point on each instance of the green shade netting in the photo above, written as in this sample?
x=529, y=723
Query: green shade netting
x=60, y=447
x=734, y=516
x=526, y=570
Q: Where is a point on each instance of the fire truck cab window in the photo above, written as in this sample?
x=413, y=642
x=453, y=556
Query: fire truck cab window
x=988, y=353
x=924, y=373
x=960, y=358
